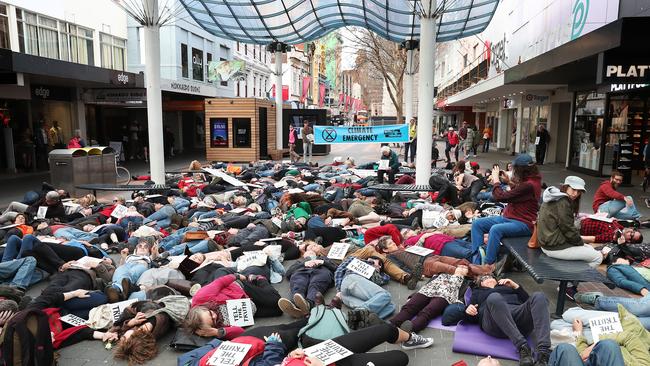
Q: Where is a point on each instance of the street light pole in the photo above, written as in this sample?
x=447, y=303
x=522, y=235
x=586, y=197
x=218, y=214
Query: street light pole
x=425, y=92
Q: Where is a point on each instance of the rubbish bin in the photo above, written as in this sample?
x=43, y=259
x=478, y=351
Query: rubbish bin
x=108, y=165
x=95, y=172
x=68, y=167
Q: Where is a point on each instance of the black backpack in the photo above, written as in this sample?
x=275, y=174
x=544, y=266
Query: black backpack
x=26, y=340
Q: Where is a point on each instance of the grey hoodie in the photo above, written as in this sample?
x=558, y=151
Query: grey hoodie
x=552, y=194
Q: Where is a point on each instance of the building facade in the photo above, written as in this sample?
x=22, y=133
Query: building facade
x=51, y=53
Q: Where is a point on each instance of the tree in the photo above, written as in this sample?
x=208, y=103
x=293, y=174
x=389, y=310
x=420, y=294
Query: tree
x=378, y=56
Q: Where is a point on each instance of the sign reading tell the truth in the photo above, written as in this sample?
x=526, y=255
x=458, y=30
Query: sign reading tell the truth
x=328, y=352
x=240, y=312
x=229, y=354
x=361, y=268
x=605, y=325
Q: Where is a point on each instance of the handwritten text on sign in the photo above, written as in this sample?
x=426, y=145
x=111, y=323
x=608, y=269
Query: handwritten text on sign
x=361, y=268
x=328, y=352
x=73, y=320
x=240, y=312
x=119, y=211
x=229, y=354
x=338, y=251
x=605, y=325
x=421, y=251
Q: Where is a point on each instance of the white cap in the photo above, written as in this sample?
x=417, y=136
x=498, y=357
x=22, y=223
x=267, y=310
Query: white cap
x=574, y=182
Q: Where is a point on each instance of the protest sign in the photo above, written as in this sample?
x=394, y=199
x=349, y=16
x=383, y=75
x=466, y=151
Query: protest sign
x=42, y=211
x=328, y=352
x=118, y=307
x=421, y=251
x=73, y=320
x=361, y=268
x=229, y=354
x=119, y=211
x=605, y=325
x=338, y=251
x=240, y=312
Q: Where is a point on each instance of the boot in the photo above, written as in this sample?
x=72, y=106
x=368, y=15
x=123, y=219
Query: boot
x=182, y=286
x=525, y=356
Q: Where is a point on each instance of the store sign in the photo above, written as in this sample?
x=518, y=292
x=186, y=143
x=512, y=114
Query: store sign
x=619, y=67
x=536, y=99
x=121, y=78
x=509, y=103
x=197, y=64
x=188, y=87
x=44, y=92
x=621, y=87
x=115, y=96
x=479, y=108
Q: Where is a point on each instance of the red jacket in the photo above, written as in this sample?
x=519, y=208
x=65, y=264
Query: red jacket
x=606, y=193
x=256, y=349
x=377, y=232
x=107, y=211
x=222, y=289
x=452, y=137
x=523, y=200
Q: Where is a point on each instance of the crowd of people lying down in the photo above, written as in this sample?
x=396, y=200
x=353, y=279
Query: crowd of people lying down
x=174, y=261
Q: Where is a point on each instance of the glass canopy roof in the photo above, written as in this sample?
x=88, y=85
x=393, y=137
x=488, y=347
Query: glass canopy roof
x=298, y=21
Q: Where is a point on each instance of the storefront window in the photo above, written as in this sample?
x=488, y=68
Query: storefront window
x=242, y=129
x=184, y=64
x=625, y=143
x=197, y=64
x=218, y=132
x=4, y=27
x=587, y=134
x=533, y=116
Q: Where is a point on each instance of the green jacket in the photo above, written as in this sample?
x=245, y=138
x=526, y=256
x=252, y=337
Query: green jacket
x=634, y=340
x=301, y=209
x=393, y=160
x=555, y=227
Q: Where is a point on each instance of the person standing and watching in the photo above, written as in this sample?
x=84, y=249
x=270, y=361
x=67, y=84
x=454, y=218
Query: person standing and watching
x=542, y=139
x=56, y=136
x=413, y=141
x=307, y=135
x=393, y=165
x=293, y=135
x=513, y=140
x=452, y=144
x=608, y=199
x=487, y=136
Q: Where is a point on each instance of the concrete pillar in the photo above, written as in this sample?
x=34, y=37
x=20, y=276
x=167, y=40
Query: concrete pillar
x=154, y=95
x=408, y=87
x=425, y=92
x=278, y=100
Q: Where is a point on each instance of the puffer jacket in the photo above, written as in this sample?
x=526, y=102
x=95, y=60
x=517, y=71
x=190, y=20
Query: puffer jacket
x=555, y=227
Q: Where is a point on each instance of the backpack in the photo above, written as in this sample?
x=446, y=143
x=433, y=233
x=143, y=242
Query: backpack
x=323, y=324
x=26, y=340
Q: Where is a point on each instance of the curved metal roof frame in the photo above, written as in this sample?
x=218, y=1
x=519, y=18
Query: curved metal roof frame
x=298, y=21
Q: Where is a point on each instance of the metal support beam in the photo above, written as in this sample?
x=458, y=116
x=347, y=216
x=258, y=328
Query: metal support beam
x=408, y=87
x=278, y=100
x=154, y=96
x=425, y=92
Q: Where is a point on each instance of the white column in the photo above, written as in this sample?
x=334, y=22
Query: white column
x=278, y=100
x=154, y=96
x=408, y=87
x=425, y=93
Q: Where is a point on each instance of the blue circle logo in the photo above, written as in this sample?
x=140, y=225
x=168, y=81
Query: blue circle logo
x=579, y=17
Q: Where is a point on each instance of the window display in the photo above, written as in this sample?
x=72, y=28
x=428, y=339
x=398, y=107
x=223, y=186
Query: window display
x=624, y=144
x=218, y=132
x=588, y=130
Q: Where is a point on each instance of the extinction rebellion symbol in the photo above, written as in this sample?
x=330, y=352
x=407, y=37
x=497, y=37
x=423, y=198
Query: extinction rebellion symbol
x=329, y=134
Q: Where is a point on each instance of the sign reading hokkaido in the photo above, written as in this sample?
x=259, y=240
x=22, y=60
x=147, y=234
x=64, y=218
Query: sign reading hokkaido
x=326, y=135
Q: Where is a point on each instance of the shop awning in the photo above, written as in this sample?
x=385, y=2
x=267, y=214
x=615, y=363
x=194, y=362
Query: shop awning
x=298, y=21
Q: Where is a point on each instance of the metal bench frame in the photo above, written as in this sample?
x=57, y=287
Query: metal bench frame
x=122, y=188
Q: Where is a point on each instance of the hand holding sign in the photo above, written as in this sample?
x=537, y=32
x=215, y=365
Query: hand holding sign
x=42, y=211
x=607, y=324
x=338, y=251
x=119, y=211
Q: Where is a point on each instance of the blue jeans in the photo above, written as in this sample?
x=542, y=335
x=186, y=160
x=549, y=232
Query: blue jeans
x=359, y=292
x=196, y=246
x=163, y=217
x=203, y=215
x=315, y=221
x=497, y=227
x=136, y=220
x=605, y=353
x=619, y=210
x=458, y=249
x=71, y=233
x=637, y=306
x=132, y=271
x=181, y=205
x=82, y=306
x=20, y=273
x=311, y=187
x=16, y=247
x=626, y=277
x=30, y=197
x=174, y=239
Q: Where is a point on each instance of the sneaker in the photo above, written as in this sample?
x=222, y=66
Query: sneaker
x=336, y=302
x=318, y=299
x=500, y=265
x=418, y=341
x=358, y=318
x=415, y=277
x=113, y=237
x=647, y=202
x=542, y=359
x=626, y=152
x=571, y=292
x=588, y=298
x=481, y=252
x=525, y=356
x=194, y=289
x=301, y=303
x=290, y=309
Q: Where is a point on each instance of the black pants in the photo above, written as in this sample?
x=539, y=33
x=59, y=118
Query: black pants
x=209, y=273
x=329, y=234
x=413, y=145
x=470, y=193
x=540, y=154
x=518, y=321
x=391, y=176
x=363, y=340
x=264, y=296
x=288, y=332
x=70, y=280
x=448, y=149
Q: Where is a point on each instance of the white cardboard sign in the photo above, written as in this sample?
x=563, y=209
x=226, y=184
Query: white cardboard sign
x=421, y=251
x=119, y=211
x=328, y=352
x=118, y=307
x=383, y=164
x=338, y=251
x=229, y=354
x=251, y=258
x=361, y=268
x=240, y=312
x=42, y=211
x=73, y=320
x=605, y=325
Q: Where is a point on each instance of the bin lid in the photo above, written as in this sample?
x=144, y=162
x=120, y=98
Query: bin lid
x=75, y=153
x=99, y=150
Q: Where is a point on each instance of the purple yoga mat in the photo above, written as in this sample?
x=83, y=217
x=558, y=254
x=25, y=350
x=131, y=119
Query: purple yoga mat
x=437, y=324
x=469, y=338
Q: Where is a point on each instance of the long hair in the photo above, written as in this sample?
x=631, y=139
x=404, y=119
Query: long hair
x=193, y=321
x=139, y=348
x=460, y=167
x=521, y=173
x=575, y=204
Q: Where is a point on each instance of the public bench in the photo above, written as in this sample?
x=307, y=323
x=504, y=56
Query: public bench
x=542, y=267
x=402, y=187
x=123, y=188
